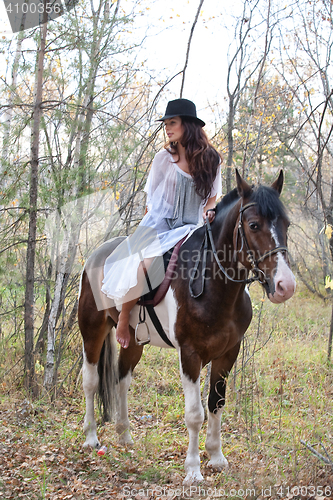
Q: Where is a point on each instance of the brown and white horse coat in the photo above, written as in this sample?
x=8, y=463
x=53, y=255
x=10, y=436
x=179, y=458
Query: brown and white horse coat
x=206, y=329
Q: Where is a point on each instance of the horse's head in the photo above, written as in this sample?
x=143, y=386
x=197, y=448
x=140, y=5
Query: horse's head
x=260, y=237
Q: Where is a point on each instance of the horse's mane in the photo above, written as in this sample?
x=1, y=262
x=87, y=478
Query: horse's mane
x=268, y=203
x=267, y=199
x=223, y=206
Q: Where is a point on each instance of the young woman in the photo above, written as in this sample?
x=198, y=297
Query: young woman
x=182, y=188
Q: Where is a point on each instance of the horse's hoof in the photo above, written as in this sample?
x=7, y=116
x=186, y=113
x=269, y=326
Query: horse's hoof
x=193, y=478
x=125, y=439
x=218, y=464
x=92, y=443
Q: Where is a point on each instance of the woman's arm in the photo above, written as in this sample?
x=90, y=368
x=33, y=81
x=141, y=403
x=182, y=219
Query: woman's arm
x=155, y=177
x=210, y=205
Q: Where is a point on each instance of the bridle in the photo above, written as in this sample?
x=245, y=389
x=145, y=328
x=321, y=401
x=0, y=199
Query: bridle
x=257, y=274
x=254, y=262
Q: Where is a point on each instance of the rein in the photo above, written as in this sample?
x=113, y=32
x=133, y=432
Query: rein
x=258, y=274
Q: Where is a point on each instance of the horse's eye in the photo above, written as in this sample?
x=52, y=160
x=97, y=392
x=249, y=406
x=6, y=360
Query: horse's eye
x=254, y=226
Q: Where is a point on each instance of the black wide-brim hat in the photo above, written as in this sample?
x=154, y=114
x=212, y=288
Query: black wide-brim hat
x=183, y=108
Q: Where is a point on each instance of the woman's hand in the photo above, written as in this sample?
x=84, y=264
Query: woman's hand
x=209, y=214
x=209, y=209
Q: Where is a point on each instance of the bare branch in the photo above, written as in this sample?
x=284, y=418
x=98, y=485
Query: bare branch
x=317, y=454
x=261, y=70
x=189, y=46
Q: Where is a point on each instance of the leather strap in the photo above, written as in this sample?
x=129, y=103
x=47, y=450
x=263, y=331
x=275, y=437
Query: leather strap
x=157, y=324
x=161, y=292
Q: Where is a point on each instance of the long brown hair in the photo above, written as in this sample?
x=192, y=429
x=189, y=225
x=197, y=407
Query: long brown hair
x=203, y=160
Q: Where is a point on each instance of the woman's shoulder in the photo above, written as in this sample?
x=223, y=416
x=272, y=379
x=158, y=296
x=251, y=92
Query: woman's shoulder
x=163, y=155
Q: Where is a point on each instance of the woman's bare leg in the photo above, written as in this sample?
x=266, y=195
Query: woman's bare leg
x=123, y=335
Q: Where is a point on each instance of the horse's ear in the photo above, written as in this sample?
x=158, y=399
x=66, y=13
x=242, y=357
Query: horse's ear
x=278, y=184
x=244, y=189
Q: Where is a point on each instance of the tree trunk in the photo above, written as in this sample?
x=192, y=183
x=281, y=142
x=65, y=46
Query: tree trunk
x=29, y=365
x=49, y=366
x=40, y=344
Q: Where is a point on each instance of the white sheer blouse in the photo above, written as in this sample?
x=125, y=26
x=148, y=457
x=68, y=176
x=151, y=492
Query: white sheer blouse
x=174, y=210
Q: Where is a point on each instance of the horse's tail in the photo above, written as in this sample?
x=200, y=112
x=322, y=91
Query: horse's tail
x=108, y=377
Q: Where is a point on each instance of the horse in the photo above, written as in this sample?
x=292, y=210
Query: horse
x=205, y=314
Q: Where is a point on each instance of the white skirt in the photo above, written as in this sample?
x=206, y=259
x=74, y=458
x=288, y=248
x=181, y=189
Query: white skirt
x=121, y=267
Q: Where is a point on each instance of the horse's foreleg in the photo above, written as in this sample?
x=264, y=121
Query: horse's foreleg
x=128, y=359
x=90, y=386
x=218, y=379
x=213, y=441
x=194, y=415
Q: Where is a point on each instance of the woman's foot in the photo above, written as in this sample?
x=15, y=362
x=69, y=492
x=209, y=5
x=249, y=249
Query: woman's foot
x=123, y=335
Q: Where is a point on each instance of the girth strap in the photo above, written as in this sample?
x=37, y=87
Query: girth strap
x=150, y=304
x=157, y=324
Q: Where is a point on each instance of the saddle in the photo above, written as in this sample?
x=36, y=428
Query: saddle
x=151, y=299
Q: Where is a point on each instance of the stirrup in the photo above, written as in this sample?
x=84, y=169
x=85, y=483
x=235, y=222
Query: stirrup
x=144, y=341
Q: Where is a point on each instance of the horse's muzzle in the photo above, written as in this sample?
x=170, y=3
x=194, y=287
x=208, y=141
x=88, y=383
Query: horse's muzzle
x=284, y=284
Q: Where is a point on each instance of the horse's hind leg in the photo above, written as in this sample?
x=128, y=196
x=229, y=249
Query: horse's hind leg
x=93, y=340
x=216, y=400
x=94, y=326
x=90, y=386
x=128, y=359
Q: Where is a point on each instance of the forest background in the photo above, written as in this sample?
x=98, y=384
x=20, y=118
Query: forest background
x=80, y=96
